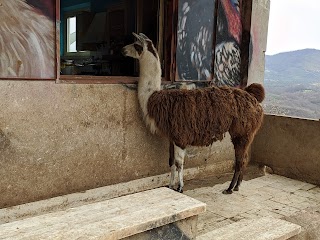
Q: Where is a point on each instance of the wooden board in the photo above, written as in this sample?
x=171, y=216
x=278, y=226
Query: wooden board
x=111, y=219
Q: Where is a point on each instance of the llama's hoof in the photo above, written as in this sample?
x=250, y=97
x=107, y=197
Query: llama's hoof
x=227, y=191
x=169, y=186
x=236, y=189
x=179, y=189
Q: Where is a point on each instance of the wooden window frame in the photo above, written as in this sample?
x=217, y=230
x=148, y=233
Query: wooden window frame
x=87, y=79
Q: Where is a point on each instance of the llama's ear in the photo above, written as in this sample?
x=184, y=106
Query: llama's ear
x=138, y=37
x=143, y=36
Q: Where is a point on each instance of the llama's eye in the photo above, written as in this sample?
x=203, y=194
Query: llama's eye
x=138, y=48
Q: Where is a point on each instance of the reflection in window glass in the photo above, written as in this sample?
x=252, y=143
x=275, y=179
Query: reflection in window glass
x=71, y=38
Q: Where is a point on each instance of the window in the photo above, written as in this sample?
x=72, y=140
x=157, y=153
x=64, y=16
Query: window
x=93, y=34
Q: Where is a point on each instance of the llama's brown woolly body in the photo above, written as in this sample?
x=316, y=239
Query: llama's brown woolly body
x=201, y=116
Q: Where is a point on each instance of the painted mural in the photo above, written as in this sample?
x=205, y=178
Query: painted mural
x=195, y=51
x=27, y=39
x=228, y=40
x=195, y=39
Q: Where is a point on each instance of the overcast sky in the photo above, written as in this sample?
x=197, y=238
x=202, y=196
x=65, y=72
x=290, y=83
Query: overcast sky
x=293, y=25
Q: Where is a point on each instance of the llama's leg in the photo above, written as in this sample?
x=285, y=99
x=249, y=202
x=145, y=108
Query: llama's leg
x=236, y=188
x=180, y=174
x=172, y=165
x=234, y=178
x=172, y=176
x=179, y=155
x=241, y=148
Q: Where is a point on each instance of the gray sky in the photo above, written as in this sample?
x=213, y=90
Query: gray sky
x=293, y=25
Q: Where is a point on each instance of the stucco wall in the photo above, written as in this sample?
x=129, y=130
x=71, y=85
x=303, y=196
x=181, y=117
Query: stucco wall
x=62, y=138
x=259, y=33
x=57, y=139
x=289, y=146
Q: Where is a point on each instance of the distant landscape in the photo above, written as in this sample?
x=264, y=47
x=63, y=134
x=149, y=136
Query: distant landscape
x=292, y=82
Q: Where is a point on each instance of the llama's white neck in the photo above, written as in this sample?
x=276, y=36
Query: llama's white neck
x=149, y=80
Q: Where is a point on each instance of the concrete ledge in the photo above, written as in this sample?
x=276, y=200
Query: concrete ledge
x=255, y=229
x=113, y=219
x=32, y=209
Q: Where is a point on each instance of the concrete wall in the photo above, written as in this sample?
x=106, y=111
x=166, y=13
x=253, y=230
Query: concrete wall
x=290, y=147
x=57, y=139
x=62, y=138
x=259, y=33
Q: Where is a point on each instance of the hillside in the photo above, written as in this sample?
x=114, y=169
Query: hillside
x=292, y=81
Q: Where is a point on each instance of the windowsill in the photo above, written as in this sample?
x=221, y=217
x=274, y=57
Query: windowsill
x=84, y=79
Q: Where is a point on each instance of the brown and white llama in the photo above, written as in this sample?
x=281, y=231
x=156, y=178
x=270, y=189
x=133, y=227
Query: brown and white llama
x=196, y=117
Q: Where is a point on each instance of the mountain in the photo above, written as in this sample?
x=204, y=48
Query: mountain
x=292, y=82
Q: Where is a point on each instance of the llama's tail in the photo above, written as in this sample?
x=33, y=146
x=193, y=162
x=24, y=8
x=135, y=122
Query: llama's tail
x=256, y=90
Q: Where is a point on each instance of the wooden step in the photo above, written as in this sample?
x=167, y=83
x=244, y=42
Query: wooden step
x=112, y=219
x=254, y=229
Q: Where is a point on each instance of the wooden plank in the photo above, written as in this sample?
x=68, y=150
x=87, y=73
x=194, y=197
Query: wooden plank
x=255, y=229
x=111, y=219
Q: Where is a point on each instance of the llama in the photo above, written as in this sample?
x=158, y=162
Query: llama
x=195, y=117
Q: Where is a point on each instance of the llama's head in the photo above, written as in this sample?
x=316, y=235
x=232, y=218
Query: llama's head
x=143, y=47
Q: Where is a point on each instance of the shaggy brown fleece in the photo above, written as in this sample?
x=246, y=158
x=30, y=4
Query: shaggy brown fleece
x=201, y=116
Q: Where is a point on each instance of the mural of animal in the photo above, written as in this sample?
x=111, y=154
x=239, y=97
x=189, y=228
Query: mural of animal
x=228, y=41
x=196, y=117
x=195, y=40
x=27, y=39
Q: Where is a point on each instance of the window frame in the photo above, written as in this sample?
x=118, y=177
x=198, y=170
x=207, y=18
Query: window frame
x=88, y=79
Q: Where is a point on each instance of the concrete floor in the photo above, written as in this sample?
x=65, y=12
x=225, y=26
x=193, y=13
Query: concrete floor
x=269, y=195
x=259, y=196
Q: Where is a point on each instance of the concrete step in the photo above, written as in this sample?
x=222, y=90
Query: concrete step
x=155, y=212
x=254, y=229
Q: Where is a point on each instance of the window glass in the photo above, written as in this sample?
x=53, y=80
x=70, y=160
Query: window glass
x=94, y=32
